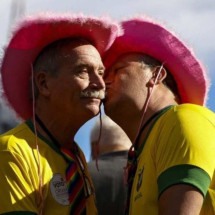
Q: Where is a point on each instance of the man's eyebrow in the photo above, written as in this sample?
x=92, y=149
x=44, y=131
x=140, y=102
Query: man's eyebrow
x=81, y=65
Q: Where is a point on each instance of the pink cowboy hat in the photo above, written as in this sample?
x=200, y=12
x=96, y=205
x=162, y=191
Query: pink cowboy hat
x=145, y=36
x=32, y=35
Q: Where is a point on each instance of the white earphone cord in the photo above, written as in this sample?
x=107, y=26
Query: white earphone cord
x=146, y=104
x=40, y=200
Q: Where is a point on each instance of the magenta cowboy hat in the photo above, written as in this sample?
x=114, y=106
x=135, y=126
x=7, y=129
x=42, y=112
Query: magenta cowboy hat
x=145, y=36
x=32, y=35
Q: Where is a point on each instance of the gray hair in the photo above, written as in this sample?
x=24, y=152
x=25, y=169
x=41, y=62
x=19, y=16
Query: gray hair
x=48, y=59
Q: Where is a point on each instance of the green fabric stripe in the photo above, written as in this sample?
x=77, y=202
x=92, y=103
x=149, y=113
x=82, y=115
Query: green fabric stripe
x=20, y=213
x=52, y=145
x=162, y=111
x=29, y=123
x=184, y=174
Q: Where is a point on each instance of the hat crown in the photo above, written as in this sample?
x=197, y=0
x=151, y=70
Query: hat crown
x=142, y=35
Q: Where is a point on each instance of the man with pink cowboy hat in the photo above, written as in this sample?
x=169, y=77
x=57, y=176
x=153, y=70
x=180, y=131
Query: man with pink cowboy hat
x=155, y=90
x=52, y=76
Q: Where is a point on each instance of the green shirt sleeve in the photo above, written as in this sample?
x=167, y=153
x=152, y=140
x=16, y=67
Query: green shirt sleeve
x=184, y=174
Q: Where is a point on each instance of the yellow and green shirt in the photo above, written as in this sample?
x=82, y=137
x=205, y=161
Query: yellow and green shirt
x=20, y=180
x=179, y=149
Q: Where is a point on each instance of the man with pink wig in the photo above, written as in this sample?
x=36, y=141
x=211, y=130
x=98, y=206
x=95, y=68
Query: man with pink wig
x=156, y=89
x=52, y=76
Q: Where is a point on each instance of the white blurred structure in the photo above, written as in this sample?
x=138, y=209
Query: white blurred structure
x=7, y=117
x=17, y=10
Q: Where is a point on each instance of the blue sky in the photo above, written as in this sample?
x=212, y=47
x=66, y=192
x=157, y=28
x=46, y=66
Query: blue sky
x=192, y=20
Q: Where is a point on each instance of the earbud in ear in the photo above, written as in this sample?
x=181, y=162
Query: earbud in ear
x=159, y=74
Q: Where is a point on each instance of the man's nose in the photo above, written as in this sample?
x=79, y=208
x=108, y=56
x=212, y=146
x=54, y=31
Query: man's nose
x=97, y=81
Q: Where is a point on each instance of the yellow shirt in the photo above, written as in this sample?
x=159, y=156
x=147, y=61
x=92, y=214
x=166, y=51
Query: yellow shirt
x=180, y=148
x=20, y=180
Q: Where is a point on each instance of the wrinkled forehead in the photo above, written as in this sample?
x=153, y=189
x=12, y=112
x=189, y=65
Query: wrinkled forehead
x=73, y=42
x=78, y=52
x=66, y=46
x=62, y=47
x=79, y=56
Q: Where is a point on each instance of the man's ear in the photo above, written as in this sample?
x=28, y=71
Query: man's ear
x=159, y=73
x=40, y=79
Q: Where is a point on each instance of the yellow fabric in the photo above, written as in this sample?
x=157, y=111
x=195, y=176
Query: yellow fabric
x=184, y=135
x=19, y=175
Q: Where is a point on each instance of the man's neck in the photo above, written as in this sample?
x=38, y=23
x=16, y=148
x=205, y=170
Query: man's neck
x=55, y=131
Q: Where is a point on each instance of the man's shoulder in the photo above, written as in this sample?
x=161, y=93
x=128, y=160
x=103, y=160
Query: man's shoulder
x=193, y=107
x=189, y=111
x=185, y=116
x=14, y=137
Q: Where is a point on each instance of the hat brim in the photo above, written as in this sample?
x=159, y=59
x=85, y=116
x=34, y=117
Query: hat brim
x=141, y=35
x=35, y=33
